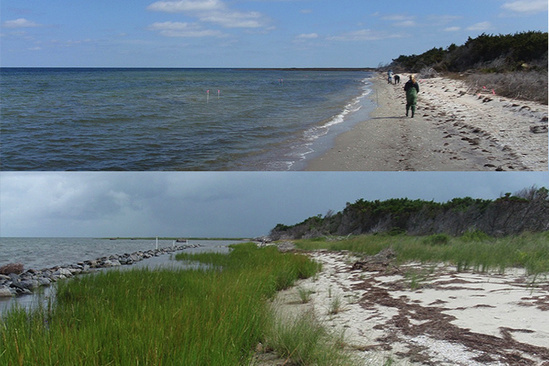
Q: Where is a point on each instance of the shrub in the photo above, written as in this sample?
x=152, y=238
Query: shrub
x=531, y=85
x=437, y=239
x=475, y=235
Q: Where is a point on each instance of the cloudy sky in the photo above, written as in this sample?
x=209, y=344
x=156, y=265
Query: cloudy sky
x=233, y=33
x=248, y=33
x=216, y=204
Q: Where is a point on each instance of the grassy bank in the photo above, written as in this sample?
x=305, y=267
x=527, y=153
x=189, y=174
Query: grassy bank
x=161, y=317
x=474, y=250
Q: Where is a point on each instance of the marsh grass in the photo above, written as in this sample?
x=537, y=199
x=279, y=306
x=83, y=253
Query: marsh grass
x=336, y=305
x=160, y=317
x=304, y=294
x=304, y=341
x=472, y=251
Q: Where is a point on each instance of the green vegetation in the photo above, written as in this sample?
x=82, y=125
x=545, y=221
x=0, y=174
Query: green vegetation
x=143, y=317
x=304, y=295
x=515, y=65
x=491, y=53
x=304, y=341
x=526, y=210
x=472, y=251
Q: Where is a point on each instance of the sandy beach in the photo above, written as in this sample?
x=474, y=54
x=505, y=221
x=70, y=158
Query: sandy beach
x=455, y=128
x=417, y=314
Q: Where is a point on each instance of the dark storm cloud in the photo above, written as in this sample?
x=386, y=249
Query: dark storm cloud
x=215, y=203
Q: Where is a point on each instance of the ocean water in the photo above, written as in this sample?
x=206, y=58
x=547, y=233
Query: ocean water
x=40, y=253
x=174, y=119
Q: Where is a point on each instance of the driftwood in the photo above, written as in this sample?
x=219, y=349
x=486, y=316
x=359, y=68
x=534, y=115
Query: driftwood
x=376, y=263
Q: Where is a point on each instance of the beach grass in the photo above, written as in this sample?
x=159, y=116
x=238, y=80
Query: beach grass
x=303, y=340
x=471, y=251
x=211, y=316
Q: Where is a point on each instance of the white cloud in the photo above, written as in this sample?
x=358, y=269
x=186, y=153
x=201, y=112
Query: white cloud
x=482, y=26
x=212, y=11
x=20, y=23
x=452, y=29
x=234, y=19
x=401, y=20
x=364, y=35
x=396, y=17
x=185, y=30
x=185, y=5
x=526, y=6
x=406, y=23
x=307, y=36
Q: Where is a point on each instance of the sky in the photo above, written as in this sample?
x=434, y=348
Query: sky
x=247, y=33
x=216, y=204
x=233, y=33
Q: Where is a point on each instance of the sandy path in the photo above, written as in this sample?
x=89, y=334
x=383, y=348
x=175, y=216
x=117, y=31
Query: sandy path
x=455, y=129
x=428, y=315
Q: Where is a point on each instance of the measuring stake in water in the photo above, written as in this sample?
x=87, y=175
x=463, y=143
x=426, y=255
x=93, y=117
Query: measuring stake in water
x=157, y=243
x=207, y=96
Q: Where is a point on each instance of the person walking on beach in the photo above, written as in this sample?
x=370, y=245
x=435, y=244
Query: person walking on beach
x=412, y=89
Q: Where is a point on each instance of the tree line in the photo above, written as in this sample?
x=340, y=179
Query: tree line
x=492, y=53
x=526, y=210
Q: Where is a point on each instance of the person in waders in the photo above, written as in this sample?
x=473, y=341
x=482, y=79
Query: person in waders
x=412, y=89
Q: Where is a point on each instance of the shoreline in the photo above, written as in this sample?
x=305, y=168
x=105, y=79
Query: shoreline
x=425, y=314
x=18, y=281
x=455, y=129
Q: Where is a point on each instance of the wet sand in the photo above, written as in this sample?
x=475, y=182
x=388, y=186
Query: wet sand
x=455, y=129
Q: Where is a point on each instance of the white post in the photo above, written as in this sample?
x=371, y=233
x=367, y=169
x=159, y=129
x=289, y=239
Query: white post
x=157, y=243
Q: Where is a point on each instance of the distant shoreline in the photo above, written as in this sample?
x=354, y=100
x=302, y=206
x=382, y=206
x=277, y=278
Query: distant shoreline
x=170, y=238
x=365, y=69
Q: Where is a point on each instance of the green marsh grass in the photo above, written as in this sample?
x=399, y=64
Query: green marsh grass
x=472, y=251
x=304, y=341
x=304, y=295
x=209, y=316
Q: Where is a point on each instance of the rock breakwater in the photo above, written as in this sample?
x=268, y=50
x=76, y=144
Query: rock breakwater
x=25, y=282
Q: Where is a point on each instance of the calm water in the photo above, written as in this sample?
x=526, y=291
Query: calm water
x=165, y=119
x=39, y=253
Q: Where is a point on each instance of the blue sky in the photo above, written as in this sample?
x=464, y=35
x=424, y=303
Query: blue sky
x=247, y=33
x=216, y=204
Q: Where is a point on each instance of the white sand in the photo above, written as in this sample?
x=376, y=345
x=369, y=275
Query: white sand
x=416, y=314
x=455, y=128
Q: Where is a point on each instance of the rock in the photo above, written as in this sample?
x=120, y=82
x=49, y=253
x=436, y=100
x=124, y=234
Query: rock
x=538, y=129
x=21, y=283
x=44, y=281
x=6, y=292
x=28, y=284
x=111, y=263
x=376, y=263
x=23, y=291
x=75, y=271
x=16, y=268
x=62, y=273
